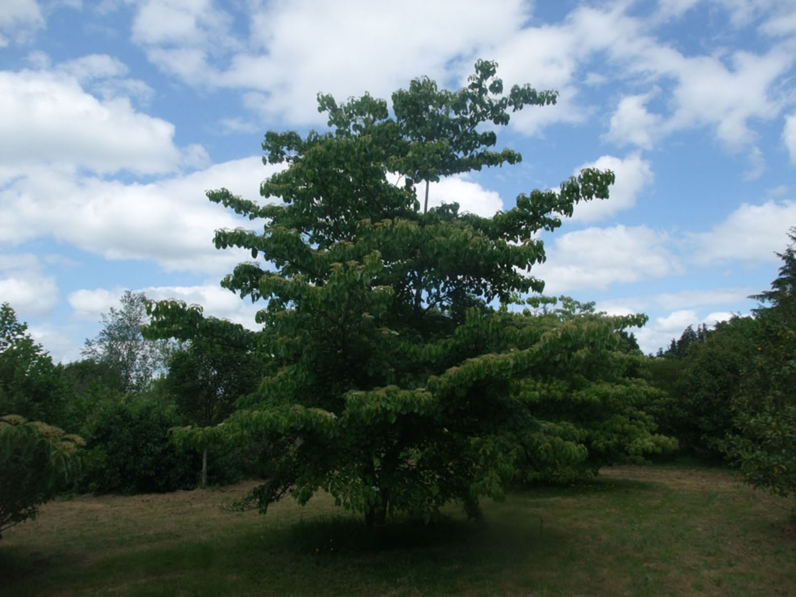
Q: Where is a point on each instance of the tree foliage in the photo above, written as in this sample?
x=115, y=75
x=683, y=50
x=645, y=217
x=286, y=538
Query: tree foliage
x=30, y=384
x=701, y=374
x=765, y=407
x=122, y=348
x=206, y=380
x=393, y=382
x=129, y=450
x=37, y=461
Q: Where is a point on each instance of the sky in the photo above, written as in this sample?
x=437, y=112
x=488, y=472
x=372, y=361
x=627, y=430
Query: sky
x=116, y=116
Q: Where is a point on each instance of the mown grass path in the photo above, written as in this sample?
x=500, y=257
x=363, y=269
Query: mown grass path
x=660, y=530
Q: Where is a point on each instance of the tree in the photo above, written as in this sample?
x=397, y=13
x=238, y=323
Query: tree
x=393, y=382
x=37, y=461
x=206, y=380
x=121, y=346
x=765, y=406
x=30, y=384
x=702, y=373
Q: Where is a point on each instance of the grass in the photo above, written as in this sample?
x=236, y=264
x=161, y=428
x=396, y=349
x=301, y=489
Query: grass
x=662, y=530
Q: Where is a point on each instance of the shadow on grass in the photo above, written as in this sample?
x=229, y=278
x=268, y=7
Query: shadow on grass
x=337, y=552
x=596, y=486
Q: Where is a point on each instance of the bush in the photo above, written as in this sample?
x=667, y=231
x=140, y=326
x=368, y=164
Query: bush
x=130, y=451
x=37, y=461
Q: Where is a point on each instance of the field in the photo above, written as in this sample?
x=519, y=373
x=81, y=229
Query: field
x=660, y=530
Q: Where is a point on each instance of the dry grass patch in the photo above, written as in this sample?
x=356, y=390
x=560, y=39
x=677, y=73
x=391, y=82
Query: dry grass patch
x=635, y=531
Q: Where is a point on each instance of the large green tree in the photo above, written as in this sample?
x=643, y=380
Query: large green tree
x=393, y=380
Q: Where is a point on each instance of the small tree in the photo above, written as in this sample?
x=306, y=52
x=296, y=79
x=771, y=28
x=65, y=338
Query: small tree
x=393, y=380
x=37, y=461
x=206, y=380
x=121, y=346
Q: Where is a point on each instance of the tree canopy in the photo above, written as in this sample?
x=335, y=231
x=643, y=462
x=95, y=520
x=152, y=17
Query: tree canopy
x=765, y=404
x=30, y=384
x=397, y=377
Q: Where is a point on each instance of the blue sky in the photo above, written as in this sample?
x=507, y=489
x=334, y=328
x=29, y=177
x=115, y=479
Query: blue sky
x=117, y=115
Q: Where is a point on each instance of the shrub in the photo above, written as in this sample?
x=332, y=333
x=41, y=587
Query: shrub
x=130, y=451
x=37, y=461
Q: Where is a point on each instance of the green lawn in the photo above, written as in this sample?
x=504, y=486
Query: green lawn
x=636, y=531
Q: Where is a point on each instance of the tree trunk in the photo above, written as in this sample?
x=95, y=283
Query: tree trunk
x=376, y=516
x=425, y=206
x=204, y=468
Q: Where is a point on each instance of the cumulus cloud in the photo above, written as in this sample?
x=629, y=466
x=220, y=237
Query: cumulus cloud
x=59, y=341
x=750, y=233
x=709, y=93
x=169, y=221
x=471, y=197
x=48, y=118
x=633, y=174
x=599, y=257
x=631, y=124
x=297, y=49
x=25, y=286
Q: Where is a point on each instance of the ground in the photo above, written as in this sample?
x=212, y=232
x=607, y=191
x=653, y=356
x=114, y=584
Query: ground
x=661, y=530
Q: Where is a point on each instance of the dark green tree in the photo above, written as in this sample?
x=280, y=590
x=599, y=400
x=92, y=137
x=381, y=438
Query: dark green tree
x=31, y=386
x=37, y=461
x=702, y=374
x=765, y=406
x=206, y=380
x=393, y=381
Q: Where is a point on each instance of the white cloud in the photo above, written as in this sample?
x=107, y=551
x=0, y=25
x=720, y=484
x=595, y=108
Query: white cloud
x=781, y=24
x=470, y=196
x=668, y=9
x=215, y=300
x=57, y=340
x=631, y=124
x=25, y=286
x=750, y=233
x=92, y=66
x=297, y=49
x=19, y=18
x=169, y=221
x=48, y=119
x=676, y=300
x=710, y=93
x=237, y=125
x=92, y=304
x=660, y=331
x=633, y=174
x=757, y=165
x=180, y=22
x=599, y=257
x=789, y=137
